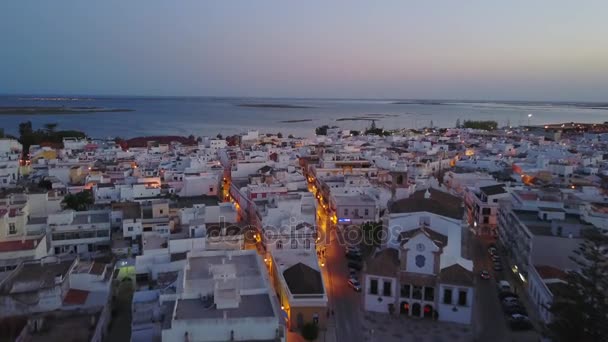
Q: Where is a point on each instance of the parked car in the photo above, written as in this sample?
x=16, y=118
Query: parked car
x=492, y=251
x=355, y=266
x=484, y=275
x=354, y=284
x=353, y=256
x=504, y=286
x=515, y=310
x=497, y=267
x=519, y=322
x=510, y=301
x=506, y=294
x=352, y=273
x=353, y=249
x=495, y=258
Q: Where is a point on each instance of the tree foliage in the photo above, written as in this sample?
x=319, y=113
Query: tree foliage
x=485, y=125
x=28, y=136
x=321, y=130
x=310, y=331
x=580, y=312
x=372, y=233
x=79, y=201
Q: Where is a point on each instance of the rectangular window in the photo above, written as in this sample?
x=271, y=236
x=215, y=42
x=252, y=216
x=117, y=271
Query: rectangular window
x=462, y=298
x=486, y=220
x=485, y=211
x=405, y=291
x=366, y=212
x=345, y=211
x=386, y=290
x=130, y=229
x=160, y=211
x=307, y=244
x=356, y=212
x=210, y=189
x=429, y=294
x=373, y=286
x=417, y=292
x=12, y=229
x=294, y=244
x=447, y=296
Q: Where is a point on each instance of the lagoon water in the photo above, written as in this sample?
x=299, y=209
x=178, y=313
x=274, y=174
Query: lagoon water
x=209, y=116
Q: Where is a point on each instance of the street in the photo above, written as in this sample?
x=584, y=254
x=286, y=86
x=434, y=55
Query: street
x=344, y=301
x=489, y=322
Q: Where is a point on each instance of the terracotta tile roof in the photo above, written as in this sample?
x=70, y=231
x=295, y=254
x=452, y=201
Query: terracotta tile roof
x=75, y=297
x=302, y=279
x=384, y=263
x=17, y=245
x=438, y=239
x=456, y=275
x=440, y=203
x=550, y=272
x=418, y=279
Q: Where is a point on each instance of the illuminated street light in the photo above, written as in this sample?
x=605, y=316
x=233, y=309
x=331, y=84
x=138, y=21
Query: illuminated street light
x=529, y=117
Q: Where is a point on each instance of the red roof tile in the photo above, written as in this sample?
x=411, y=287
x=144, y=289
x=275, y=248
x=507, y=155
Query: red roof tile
x=17, y=245
x=550, y=272
x=75, y=297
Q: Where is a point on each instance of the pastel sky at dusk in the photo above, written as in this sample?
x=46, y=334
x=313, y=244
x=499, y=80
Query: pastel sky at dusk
x=474, y=49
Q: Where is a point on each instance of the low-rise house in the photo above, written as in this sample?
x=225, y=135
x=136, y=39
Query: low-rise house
x=79, y=232
x=482, y=208
x=299, y=285
x=223, y=296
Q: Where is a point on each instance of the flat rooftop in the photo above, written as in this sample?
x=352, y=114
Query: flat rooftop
x=83, y=218
x=76, y=328
x=258, y=305
x=246, y=265
x=35, y=276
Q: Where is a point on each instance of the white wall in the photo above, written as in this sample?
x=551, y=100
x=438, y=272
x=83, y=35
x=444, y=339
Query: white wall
x=371, y=302
x=462, y=314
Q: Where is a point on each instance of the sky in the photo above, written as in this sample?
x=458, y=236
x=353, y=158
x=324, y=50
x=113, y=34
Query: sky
x=442, y=49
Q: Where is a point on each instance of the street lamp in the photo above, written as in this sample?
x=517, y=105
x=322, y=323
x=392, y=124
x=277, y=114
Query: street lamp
x=529, y=117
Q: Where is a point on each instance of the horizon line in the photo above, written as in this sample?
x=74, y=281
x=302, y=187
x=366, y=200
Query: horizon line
x=294, y=98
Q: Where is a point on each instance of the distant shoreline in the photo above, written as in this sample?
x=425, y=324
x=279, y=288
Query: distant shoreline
x=295, y=121
x=35, y=110
x=271, y=105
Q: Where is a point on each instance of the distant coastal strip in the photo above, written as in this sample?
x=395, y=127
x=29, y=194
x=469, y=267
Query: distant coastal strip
x=295, y=121
x=367, y=117
x=434, y=103
x=58, y=110
x=271, y=105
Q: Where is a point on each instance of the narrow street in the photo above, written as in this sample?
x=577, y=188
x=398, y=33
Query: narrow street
x=490, y=324
x=344, y=301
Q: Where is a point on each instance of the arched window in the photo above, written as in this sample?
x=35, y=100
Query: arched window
x=279, y=244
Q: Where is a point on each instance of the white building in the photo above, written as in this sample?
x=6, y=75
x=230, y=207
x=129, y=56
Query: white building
x=223, y=296
x=421, y=272
x=79, y=232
